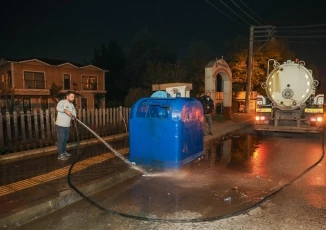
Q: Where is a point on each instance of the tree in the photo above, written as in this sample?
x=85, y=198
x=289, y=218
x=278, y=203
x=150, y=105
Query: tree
x=55, y=92
x=238, y=58
x=98, y=100
x=112, y=58
x=315, y=74
x=146, y=49
x=238, y=65
x=134, y=94
x=274, y=49
x=11, y=99
x=159, y=72
x=199, y=53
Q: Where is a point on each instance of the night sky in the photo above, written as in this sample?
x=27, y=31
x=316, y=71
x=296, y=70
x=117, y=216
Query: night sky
x=71, y=29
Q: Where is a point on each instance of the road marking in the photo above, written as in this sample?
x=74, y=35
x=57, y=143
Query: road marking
x=56, y=174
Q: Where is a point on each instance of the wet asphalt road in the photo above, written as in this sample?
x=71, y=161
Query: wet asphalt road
x=245, y=169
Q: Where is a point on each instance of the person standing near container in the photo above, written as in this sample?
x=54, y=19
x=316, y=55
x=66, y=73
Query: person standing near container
x=65, y=112
x=208, y=105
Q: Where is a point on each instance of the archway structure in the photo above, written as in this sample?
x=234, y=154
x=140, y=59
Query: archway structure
x=212, y=69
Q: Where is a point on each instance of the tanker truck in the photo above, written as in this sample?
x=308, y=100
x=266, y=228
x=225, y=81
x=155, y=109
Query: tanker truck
x=291, y=104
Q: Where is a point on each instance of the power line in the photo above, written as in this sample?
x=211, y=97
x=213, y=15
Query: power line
x=304, y=42
x=300, y=36
x=270, y=32
x=305, y=26
x=266, y=37
x=245, y=12
x=224, y=13
x=261, y=47
x=301, y=31
x=235, y=12
x=254, y=12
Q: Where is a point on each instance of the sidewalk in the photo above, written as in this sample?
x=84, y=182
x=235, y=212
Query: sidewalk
x=34, y=183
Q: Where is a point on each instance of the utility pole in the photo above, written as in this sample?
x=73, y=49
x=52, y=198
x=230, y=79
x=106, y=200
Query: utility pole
x=249, y=69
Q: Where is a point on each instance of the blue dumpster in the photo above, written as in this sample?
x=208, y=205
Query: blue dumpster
x=166, y=132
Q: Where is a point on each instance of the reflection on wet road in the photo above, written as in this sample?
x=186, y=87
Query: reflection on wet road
x=235, y=173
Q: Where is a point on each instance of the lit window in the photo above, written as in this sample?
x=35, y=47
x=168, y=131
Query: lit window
x=89, y=82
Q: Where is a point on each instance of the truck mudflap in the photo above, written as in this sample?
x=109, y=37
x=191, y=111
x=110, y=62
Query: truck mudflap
x=291, y=129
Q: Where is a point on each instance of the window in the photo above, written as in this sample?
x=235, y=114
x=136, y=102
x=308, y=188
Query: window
x=84, y=103
x=66, y=81
x=89, y=82
x=34, y=80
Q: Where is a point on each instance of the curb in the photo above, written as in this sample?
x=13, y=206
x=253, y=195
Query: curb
x=63, y=199
x=53, y=149
x=238, y=126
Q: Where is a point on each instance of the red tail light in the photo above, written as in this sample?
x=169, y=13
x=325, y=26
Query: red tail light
x=319, y=119
x=260, y=118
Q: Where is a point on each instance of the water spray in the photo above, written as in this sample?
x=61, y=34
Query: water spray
x=138, y=168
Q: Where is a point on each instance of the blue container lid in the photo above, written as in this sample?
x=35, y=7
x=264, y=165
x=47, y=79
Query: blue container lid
x=161, y=94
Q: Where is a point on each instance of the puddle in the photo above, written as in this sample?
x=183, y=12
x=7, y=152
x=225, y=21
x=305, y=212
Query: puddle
x=234, y=153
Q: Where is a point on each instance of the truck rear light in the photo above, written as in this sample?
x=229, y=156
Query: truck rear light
x=319, y=119
x=260, y=118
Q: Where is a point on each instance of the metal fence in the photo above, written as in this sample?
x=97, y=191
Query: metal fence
x=36, y=129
